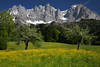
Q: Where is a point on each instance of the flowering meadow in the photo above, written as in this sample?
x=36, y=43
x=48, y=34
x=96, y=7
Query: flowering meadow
x=50, y=57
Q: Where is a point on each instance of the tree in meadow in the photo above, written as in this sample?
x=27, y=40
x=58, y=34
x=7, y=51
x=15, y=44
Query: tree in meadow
x=78, y=35
x=26, y=34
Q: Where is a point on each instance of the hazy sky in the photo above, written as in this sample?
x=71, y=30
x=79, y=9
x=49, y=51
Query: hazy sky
x=61, y=4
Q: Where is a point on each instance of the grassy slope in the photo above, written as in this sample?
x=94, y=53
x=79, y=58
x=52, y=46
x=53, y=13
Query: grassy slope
x=48, y=45
x=50, y=55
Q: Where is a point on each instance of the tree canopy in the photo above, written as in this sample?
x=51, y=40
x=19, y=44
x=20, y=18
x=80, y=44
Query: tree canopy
x=26, y=34
x=6, y=28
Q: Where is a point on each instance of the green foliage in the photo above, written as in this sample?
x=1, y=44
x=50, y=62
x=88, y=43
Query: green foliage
x=3, y=43
x=6, y=20
x=3, y=37
x=6, y=28
x=94, y=28
x=75, y=35
x=27, y=34
x=73, y=32
x=52, y=34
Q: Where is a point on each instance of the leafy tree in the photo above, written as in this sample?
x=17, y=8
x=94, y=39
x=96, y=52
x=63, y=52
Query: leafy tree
x=78, y=35
x=6, y=28
x=3, y=37
x=94, y=28
x=52, y=34
x=7, y=20
x=26, y=34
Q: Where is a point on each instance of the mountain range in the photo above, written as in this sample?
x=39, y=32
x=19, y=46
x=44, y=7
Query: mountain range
x=46, y=14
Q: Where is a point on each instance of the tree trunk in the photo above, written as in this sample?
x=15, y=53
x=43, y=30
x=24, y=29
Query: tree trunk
x=26, y=43
x=78, y=46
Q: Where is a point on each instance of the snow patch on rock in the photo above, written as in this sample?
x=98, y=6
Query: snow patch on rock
x=37, y=22
x=74, y=6
x=63, y=18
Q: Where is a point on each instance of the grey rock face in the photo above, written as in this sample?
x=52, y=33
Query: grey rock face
x=48, y=13
x=78, y=12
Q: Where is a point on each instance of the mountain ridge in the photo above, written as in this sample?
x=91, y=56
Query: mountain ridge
x=46, y=14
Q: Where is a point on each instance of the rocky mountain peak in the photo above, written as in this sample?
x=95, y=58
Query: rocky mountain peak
x=46, y=14
x=79, y=11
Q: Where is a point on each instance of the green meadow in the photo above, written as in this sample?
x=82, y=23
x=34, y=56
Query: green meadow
x=50, y=55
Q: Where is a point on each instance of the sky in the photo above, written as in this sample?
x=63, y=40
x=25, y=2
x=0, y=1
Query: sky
x=94, y=5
